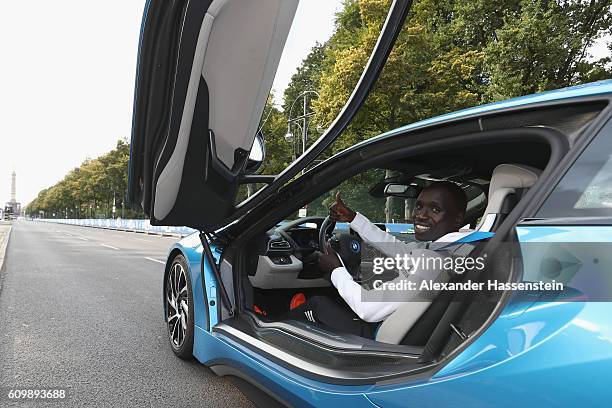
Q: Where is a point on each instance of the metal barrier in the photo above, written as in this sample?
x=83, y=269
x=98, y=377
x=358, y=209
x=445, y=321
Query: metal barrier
x=143, y=226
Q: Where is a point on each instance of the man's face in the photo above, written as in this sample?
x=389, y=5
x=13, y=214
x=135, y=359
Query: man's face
x=434, y=215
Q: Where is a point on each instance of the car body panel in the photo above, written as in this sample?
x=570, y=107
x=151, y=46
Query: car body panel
x=530, y=346
x=205, y=303
x=295, y=390
x=534, y=353
x=594, y=89
x=526, y=358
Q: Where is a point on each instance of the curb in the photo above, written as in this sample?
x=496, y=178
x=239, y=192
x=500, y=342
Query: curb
x=3, y=246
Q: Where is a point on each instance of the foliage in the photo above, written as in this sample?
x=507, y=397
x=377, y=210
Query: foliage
x=306, y=78
x=88, y=191
x=456, y=54
x=274, y=127
x=544, y=46
x=451, y=54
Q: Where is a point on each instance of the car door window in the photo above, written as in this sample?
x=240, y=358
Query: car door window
x=364, y=194
x=586, y=189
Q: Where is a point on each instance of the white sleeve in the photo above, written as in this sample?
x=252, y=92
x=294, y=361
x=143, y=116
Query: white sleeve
x=374, y=309
x=350, y=291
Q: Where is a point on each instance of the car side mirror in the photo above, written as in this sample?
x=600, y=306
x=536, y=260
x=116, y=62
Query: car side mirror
x=401, y=190
x=257, y=154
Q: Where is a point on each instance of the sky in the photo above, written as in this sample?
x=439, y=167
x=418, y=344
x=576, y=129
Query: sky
x=67, y=81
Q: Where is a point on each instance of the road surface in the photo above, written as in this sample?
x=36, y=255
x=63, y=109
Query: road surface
x=80, y=308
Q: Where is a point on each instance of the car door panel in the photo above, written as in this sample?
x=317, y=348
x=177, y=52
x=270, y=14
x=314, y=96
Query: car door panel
x=227, y=52
x=190, y=144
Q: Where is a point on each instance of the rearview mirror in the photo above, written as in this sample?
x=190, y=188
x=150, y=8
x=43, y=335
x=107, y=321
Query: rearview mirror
x=401, y=190
x=257, y=154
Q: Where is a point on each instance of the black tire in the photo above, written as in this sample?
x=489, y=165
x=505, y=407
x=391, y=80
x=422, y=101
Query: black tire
x=179, y=308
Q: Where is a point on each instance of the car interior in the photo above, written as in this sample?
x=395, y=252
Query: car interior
x=283, y=261
x=496, y=162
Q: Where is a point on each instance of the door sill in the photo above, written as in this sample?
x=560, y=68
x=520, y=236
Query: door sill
x=321, y=355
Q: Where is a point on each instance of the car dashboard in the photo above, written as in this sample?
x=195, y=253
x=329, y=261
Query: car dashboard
x=284, y=259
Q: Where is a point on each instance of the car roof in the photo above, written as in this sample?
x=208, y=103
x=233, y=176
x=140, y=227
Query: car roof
x=578, y=91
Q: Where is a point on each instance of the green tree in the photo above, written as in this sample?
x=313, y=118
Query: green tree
x=545, y=46
x=89, y=190
x=451, y=54
x=278, y=150
x=456, y=54
x=306, y=78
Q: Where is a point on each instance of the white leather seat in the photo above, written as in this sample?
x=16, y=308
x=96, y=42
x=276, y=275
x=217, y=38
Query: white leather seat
x=505, y=180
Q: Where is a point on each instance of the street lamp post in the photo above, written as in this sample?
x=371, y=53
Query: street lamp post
x=304, y=119
x=123, y=205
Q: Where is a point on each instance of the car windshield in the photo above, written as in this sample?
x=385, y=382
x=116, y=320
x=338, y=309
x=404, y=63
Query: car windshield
x=365, y=193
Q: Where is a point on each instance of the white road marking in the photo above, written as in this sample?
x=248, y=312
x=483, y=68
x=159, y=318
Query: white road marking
x=65, y=233
x=111, y=247
x=144, y=240
x=83, y=239
x=155, y=260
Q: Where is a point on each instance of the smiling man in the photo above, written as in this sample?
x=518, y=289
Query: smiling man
x=439, y=210
x=438, y=214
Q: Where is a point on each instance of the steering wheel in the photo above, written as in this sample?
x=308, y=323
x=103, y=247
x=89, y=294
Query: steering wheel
x=325, y=232
x=283, y=230
x=347, y=246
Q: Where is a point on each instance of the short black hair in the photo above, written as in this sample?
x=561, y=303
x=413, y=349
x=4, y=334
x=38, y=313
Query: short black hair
x=456, y=192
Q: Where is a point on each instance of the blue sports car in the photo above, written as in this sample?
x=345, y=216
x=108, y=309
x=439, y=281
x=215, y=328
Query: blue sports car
x=536, y=171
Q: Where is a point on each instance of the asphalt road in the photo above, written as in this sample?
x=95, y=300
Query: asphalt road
x=80, y=308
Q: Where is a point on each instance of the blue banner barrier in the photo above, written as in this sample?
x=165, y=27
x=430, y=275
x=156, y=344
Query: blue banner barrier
x=124, y=225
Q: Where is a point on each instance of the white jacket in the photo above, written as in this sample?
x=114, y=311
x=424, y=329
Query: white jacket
x=377, y=310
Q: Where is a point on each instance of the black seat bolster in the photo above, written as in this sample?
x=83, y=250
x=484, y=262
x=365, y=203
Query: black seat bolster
x=421, y=331
x=509, y=203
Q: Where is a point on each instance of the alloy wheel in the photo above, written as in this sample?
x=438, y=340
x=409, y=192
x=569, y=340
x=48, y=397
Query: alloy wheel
x=178, y=307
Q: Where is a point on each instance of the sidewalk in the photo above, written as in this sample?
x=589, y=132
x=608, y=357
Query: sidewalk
x=5, y=229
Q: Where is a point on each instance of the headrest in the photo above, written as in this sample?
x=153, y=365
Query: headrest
x=505, y=180
x=513, y=176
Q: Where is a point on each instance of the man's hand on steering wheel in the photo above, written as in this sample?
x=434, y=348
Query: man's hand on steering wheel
x=339, y=211
x=329, y=260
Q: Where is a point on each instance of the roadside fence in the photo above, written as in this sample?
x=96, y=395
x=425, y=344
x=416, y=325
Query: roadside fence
x=143, y=226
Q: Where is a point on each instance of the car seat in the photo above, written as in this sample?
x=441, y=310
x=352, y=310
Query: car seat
x=413, y=322
x=508, y=183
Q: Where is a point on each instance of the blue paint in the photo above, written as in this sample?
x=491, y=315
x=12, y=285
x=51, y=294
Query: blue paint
x=476, y=236
x=535, y=353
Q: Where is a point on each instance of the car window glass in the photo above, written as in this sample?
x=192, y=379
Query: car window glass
x=355, y=194
x=247, y=190
x=364, y=193
x=586, y=189
x=321, y=63
x=325, y=53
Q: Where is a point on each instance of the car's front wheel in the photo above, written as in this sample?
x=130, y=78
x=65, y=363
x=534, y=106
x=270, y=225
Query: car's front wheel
x=179, y=308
